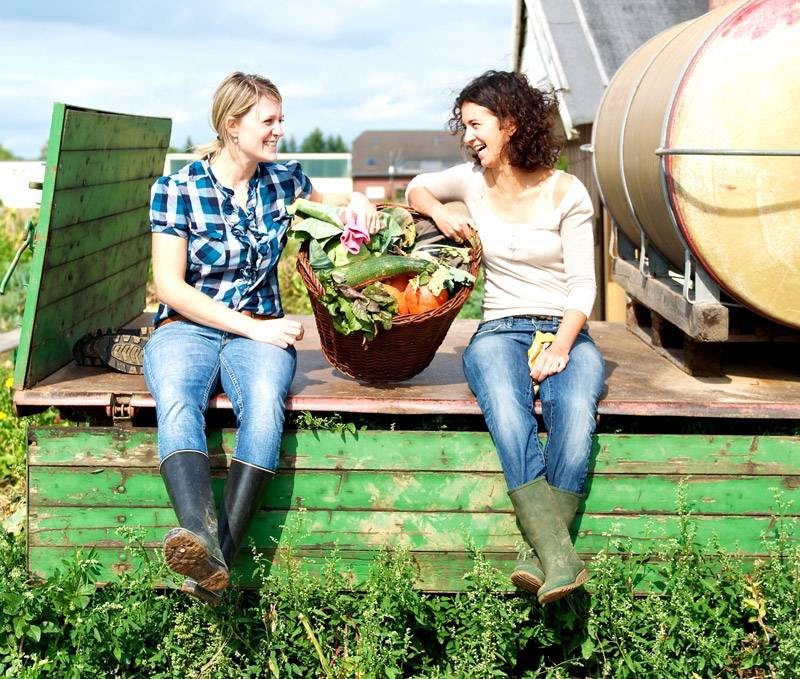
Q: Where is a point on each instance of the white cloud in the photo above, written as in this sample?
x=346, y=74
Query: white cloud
x=343, y=66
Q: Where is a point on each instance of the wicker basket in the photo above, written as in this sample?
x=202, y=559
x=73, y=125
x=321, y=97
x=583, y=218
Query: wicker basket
x=393, y=355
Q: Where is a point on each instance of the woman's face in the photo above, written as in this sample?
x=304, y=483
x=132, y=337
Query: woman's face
x=485, y=134
x=258, y=131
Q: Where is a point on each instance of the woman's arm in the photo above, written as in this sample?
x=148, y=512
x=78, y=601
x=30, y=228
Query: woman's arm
x=426, y=192
x=169, y=271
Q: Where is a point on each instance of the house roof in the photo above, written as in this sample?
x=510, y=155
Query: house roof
x=407, y=152
x=576, y=46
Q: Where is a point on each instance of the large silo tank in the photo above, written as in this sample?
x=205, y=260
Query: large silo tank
x=729, y=80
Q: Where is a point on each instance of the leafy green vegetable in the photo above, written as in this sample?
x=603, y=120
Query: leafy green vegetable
x=352, y=310
x=309, y=208
x=316, y=229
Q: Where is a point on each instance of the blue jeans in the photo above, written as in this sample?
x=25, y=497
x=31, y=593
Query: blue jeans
x=184, y=362
x=496, y=367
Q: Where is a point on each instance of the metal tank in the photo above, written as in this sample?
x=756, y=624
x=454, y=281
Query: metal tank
x=697, y=147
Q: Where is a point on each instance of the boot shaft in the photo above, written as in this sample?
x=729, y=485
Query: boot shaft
x=243, y=493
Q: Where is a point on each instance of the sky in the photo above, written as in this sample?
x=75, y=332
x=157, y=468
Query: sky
x=344, y=66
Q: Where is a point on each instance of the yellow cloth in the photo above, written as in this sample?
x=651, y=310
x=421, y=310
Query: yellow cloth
x=541, y=340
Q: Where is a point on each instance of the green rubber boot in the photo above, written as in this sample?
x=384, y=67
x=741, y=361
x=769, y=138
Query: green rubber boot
x=563, y=570
x=528, y=573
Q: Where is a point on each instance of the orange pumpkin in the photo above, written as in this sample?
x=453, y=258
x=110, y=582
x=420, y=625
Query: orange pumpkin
x=402, y=307
x=420, y=299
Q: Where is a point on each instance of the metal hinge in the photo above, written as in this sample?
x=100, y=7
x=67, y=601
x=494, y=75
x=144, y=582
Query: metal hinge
x=121, y=410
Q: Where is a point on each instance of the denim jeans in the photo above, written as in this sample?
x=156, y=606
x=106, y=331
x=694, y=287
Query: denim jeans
x=496, y=367
x=184, y=362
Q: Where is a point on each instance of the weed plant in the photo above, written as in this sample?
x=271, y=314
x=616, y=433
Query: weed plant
x=704, y=613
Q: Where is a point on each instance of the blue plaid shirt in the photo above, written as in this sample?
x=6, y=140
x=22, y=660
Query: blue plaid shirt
x=232, y=252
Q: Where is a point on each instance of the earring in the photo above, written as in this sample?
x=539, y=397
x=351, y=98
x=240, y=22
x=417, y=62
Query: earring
x=236, y=140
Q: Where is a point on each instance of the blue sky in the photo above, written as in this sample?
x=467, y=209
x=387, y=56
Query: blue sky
x=343, y=65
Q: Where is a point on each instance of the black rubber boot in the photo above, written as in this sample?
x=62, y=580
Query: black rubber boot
x=193, y=549
x=243, y=492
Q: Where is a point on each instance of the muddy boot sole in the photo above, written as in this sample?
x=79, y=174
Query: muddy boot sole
x=186, y=553
x=561, y=592
x=526, y=581
x=121, y=349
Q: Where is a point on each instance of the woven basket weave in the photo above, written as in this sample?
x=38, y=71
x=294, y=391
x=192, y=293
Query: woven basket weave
x=393, y=355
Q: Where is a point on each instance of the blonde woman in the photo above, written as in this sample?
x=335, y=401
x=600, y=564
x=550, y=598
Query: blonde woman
x=219, y=226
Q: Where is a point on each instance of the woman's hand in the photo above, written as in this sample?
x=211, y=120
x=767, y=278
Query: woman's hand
x=282, y=332
x=551, y=361
x=454, y=225
x=364, y=213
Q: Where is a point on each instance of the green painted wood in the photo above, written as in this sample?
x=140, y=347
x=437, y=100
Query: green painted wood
x=80, y=168
x=74, y=242
x=93, y=130
x=430, y=451
x=76, y=277
x=450, y=491
x=93, y=202
x=24, y=375
x=100, y=165
x=434, y=571
x=419, y=531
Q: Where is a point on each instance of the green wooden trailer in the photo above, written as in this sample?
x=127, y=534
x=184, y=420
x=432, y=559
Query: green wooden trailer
x=419, y=479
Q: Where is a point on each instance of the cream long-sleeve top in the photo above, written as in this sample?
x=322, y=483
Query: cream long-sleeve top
x=539, y=268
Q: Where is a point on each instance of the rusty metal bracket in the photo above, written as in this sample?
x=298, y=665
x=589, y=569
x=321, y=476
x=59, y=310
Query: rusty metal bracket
x=120, y=410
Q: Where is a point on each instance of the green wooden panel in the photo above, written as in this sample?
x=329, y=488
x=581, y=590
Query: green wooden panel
x=429, y=451
x=407, y=491
x=73, y=243
x=419, y=531
x=77, y=277
x=93, y=202
x=88, y=147
x=434, y=571
x=92, y=130
x=88, y=168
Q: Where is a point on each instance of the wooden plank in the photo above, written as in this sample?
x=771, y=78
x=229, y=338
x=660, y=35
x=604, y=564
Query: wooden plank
x=100, y=268
x=434, y=571
x=93, y=202
x=92, y=130
x=432, y=450
x=707, y=322
x=80, y=240
x=89, y=168
x=9, y=340
x=450, y=491
x=419, y=531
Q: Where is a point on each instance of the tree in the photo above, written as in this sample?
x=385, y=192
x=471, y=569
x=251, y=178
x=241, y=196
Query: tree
x=5, y=154
x=188, y=147
x=336, y=144
x=314, y=142
x=288, y=145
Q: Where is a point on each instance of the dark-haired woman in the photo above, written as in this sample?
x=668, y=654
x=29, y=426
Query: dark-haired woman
x=536, y=227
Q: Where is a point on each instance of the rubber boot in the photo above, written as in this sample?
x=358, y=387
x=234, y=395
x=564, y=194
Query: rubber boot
x=193, y=549
x=528, y=573
x=538, y=511
x=243, y=492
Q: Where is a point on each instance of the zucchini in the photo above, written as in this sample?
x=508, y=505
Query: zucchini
x=363, y=272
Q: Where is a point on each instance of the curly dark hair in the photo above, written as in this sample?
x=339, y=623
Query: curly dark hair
x=510, y=97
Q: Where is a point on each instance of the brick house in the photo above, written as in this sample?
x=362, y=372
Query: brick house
x=384, y=161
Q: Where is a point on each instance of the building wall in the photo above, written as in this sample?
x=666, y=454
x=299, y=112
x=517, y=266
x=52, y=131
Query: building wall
x=14, y=179
x=382, y=188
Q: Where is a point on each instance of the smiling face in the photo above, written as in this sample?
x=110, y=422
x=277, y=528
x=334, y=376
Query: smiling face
x=485, y=134
x=258, y=131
